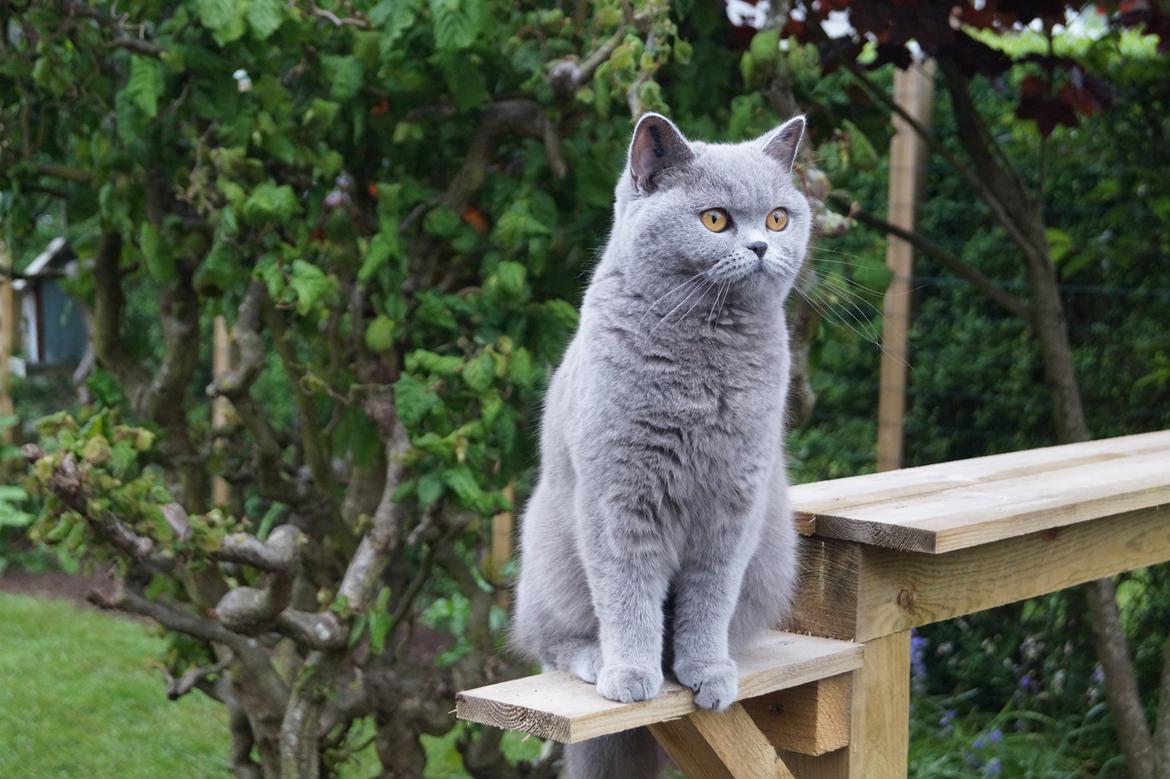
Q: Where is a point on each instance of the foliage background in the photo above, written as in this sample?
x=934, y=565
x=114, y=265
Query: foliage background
x=415, y=241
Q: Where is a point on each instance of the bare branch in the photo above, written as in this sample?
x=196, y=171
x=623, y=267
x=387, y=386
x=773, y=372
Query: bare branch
x=172, y=617
x=567, y=75
x=1013, y=304
x=249, y=344
x=278, y=555
x=194, y=676
x=381, y=540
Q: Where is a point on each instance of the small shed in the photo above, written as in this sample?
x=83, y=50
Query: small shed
x=53, y=328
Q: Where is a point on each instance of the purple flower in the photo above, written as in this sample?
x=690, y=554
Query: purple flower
x=995, y=736
x=994, y=767
x=947, y=719
x=1027, y=683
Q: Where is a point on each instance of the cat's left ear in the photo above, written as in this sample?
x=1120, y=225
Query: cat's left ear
x=781, y=144
x=656, y=146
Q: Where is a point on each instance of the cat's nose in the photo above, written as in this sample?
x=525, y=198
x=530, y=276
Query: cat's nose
x=759, y=247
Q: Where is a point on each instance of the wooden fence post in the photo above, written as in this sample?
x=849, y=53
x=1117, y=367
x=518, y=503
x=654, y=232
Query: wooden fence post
x=7, y=339
x=221, y=363
x=914, y=91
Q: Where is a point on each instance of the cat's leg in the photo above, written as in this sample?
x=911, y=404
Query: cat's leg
x=765, y=597
x=628, y=577
x=554, y=620
x=705, y=594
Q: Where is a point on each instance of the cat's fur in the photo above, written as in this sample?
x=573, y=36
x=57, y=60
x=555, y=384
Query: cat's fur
x=661, y=509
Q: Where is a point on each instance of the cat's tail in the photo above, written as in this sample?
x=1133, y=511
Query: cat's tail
x=631, y=754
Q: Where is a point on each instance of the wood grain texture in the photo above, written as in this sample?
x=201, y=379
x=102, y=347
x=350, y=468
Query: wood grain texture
x=723, y=745
x=559, y=706
x=811, y=719
x=879, y=728
x=959, y=505
x=857, y=592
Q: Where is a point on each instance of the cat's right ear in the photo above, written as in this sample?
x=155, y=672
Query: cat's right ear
x=656, y=146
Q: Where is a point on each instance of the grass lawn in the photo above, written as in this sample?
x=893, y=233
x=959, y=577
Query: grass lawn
x=79, y=698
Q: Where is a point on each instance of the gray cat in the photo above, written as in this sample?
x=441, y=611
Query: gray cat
x=659, y=534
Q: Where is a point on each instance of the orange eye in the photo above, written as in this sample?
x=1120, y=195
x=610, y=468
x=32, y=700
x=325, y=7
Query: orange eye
x=777, y=220
x=714, y=219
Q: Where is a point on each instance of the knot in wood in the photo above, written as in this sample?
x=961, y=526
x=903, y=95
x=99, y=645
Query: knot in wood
x=906, y=598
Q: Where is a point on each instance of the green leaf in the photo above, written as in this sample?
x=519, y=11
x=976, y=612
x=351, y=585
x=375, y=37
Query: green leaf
x=382, y=247
x=380, y=334
x=465, y=81
x=344, y=75
x=145, y=84
x=520, y=370
x=156, y=255
x=271, y=202
x=765, y=46
x=311, y=285
x=478, y=373
x=457, y=23
x=394, y=17
x=265, y=16
x=512, y=276
x=224, y=18
x=430, y=488
x=463, y=483
x=440, y=365
x=413, y=399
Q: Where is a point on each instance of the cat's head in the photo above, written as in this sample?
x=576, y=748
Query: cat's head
x=729, y=211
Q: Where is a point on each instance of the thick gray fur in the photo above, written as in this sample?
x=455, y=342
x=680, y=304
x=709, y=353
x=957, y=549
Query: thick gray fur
x=659, y=534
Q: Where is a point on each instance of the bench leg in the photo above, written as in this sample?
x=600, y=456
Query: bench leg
x=724, y=745
x=880, y=724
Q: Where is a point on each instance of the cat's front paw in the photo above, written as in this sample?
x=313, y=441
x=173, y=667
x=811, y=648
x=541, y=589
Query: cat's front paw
x=715, y=683
x=628, y=683
x=586, y=663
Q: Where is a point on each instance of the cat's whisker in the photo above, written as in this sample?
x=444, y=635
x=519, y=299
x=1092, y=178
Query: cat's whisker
x=708, y=284
x=669, y=292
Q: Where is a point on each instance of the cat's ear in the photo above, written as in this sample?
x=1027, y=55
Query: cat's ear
x=656, y=146
x=781, y=144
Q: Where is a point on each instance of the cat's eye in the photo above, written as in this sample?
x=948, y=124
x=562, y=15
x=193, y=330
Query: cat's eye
x=715, y=219
x=778, y=219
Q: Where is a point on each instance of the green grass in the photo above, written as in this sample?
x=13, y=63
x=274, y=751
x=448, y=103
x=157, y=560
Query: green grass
x=79, y=698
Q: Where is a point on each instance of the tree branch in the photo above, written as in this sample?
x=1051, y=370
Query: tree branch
x=1013, y=304
x=381, y=540
x=67, y=484
x=169, y=616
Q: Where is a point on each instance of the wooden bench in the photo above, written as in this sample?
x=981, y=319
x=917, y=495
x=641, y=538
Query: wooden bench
x=882, y=554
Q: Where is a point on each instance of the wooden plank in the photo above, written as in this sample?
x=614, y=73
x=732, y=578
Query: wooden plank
x=811, y=719
x=836, y=495
x=723, y=745
x=879, y=728
x=852, y=591
x=914, y=91
x=559, y=706
x=978, y=514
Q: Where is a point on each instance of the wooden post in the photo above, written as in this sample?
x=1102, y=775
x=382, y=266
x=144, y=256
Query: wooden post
x=503, y=529
x=7, y=339
x=879, y=738
x=221, y=363
x=914, y=91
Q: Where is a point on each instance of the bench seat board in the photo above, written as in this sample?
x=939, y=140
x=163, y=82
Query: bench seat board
x=561, y=707
x=958, y=505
